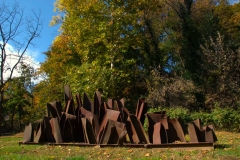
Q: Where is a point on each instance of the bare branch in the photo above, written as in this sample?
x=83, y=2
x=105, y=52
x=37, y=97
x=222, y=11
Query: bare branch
x=34, y=32
x=11, y=23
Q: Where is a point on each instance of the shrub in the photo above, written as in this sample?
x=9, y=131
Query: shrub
x=226, y=119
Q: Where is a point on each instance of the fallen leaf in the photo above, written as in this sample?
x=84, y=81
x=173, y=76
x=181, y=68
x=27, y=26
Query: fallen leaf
x=147, y=155
x=97, y=146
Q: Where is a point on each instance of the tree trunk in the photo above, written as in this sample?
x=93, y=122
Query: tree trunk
x=12, y=122
x=19, y=122
x=1, y=106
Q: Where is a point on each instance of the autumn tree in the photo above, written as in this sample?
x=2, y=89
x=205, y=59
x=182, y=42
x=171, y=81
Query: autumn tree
x=188, y=23
x=117, y=45
x=229, y=21
x=105, y=44
x=223, y=67
x=18, y=99
x=12, y=32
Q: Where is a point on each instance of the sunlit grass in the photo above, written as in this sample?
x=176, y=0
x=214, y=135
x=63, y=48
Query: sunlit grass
x=228, y=147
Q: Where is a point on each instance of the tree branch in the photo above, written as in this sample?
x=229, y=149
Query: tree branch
x=11, y=21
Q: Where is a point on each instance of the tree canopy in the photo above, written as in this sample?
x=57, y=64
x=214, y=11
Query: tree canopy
x=185, y=50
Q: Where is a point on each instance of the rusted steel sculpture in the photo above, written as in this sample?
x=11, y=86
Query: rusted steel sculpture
x=55, y=109
x=109, y=115
x=176, y=130
x=170, y=131
x=87, y=103
x=101, y=123
x=113, y=133
x=159, y=134
x=198, y=133
x=141, y=110
x=28, y=133
x=54, y=122
x=154, y=118
x=97, y=103
x=138, y=130
x=210, y=135
x=89, y=131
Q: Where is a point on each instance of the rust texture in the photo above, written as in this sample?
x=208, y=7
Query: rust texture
x=199, y=133
x=110, y=123
x=28, y=133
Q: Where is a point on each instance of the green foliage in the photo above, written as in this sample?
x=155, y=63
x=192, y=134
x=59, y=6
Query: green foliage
x=226, y=119
x=104, y=44
x=117, y=46
x=18, y=100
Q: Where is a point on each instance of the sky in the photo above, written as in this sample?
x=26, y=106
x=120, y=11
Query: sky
x=48, y=33
x=35, y=54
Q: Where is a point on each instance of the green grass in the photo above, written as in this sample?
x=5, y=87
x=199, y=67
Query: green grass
x=228, y=147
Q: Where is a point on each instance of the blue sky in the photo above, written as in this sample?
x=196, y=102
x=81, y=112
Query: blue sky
x=48, y=33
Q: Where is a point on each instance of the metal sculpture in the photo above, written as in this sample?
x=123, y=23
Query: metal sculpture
x=141, y=110
x=111, y=123
x=109, y=115
x=176, y=130
x=56, y=130
x=113, y=133
x=154, y=118
x=198, y=133
x=89, y=132
x=28, y=133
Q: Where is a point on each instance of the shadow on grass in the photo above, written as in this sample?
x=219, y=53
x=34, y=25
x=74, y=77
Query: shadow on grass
x=75, y=158
x=222, y=146
x=7, y=134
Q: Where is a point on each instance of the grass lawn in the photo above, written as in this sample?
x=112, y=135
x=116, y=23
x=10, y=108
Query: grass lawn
x=227, y=147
